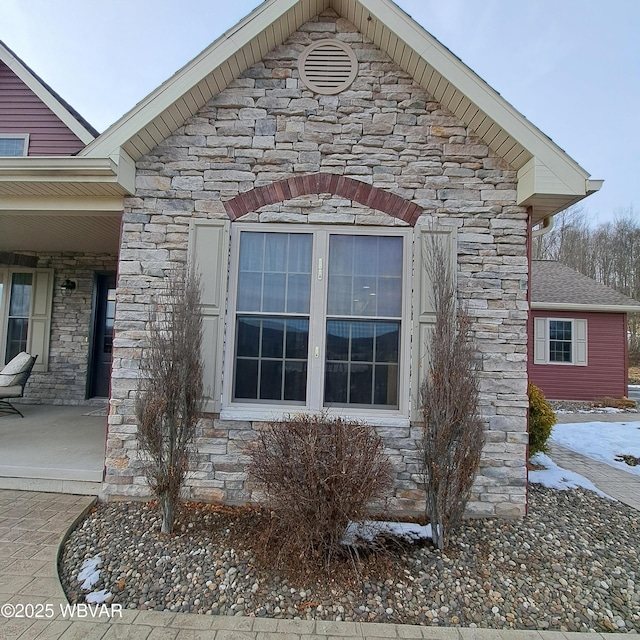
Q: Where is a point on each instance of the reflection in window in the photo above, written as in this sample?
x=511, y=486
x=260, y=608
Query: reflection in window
x=18, y=316
x=362, y=356
x=272, y=321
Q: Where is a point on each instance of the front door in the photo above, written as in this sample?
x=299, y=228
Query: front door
x=104, y=313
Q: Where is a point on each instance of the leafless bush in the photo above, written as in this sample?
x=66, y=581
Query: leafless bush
x=170, y=395
x=452, y=431
x=317, y=474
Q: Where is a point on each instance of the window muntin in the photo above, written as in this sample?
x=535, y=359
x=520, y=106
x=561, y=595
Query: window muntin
x=362, y=356
x=13, y=145
x=333, y=338
x=560, y=341
x=18, y=314
x=272, y=317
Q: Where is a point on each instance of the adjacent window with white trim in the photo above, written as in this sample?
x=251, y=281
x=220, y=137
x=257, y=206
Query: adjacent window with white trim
x=13, y=145
x=319, y=319
x=560, y=341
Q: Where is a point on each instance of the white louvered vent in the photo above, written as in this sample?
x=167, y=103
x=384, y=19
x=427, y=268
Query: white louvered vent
x=328, y=66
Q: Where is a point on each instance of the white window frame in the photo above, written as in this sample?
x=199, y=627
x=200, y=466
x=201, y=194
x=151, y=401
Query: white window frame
x=17, y=136
x=316, y=365
x=579, y=341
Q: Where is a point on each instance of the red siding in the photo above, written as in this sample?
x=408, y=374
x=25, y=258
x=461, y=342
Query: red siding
x=21, y=111
x=606, y=371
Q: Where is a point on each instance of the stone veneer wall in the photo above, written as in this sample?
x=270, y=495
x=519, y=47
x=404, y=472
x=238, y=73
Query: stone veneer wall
x=66, y=380
x=386, y=131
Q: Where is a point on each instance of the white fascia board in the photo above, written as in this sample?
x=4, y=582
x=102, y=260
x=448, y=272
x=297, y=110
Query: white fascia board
x=81, y=206
x=585, y=308
x=62, y=168
x=188, y=77
x=476, y=89
x=45, y=95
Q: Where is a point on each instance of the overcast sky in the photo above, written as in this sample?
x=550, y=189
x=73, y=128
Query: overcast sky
x=571, y=66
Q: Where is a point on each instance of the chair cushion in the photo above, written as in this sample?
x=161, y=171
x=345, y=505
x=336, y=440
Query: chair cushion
x=12, y=370
x=10, y=392
x=17, y=365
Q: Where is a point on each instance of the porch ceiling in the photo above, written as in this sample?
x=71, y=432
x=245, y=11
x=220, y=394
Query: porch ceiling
x=54, y=204
x=55, y=231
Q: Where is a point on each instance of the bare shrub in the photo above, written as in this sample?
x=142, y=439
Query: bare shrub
x=170, y=394
x=452, y=431
x=317, y=475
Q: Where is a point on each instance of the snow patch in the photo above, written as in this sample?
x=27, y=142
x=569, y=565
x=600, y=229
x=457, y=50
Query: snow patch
x=98, y=597
x=601, y=441
x=89, y=574
x=555, y=477
x=369, y=529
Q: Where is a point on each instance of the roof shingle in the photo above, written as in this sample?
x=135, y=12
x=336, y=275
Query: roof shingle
x=555, y=283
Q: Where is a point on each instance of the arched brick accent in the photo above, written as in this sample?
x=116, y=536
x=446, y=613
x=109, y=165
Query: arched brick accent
x=323, y=183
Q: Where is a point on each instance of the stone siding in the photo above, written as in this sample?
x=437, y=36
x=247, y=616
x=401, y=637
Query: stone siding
x=385, y=131
x=65, y=382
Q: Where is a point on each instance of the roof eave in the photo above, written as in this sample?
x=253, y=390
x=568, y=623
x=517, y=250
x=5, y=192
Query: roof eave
x=56, y=175
x=585, y=308
x=551, y=180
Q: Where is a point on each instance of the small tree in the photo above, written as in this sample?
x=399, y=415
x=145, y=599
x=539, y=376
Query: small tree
x=170, y=396
x=453, y=434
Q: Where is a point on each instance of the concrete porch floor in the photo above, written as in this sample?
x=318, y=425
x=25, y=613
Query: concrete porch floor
x=53, y=448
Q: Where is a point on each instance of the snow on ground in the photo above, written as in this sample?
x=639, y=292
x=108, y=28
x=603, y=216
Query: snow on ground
x=369, y=529
x=98, y=597
x=89, y=574
x=601, y=441
x=556, y=477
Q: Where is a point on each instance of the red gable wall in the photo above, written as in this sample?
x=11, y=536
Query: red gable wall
x=21, y=111
x=606, y=371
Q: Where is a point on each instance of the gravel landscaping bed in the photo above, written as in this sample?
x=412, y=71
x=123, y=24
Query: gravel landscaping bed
x=571, y=565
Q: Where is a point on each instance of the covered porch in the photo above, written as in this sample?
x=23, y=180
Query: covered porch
x=53, y=448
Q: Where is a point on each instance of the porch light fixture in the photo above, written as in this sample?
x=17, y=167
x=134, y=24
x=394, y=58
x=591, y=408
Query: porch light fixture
x=67, y=286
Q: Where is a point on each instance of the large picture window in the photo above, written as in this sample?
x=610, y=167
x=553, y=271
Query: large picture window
x=318, y=318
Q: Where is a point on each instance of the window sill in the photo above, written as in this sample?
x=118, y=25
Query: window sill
x=265, y=414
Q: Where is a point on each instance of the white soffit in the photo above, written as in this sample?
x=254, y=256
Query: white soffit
x=48, y=231
x=551, y=180
x=42, y=91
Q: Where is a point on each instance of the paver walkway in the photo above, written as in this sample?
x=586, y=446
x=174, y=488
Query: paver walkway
x=32, y=526
x=618, y=484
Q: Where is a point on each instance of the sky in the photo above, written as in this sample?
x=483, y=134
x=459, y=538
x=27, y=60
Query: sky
x=572, y=67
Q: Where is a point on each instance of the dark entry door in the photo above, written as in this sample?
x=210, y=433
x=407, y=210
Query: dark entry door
x=104, y=313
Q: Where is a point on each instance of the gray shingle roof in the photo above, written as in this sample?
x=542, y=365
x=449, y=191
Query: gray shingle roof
x=555, y=283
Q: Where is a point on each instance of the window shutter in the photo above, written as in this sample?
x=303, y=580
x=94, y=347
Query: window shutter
x=40, y=319
x=209, y=256
x=580, y=342
x=540, y=340
x=423, y=304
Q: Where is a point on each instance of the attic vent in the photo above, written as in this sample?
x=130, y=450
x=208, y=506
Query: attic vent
x=328, y=66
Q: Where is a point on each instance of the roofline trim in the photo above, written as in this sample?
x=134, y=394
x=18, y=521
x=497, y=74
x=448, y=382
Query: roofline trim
x=183, y=80
x=593, y=308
